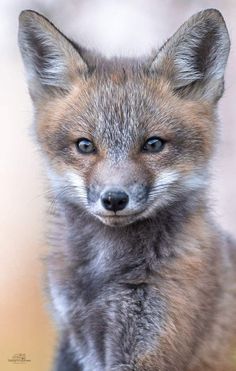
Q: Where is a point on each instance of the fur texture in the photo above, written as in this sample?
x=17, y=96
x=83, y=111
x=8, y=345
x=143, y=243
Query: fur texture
x=151, y=286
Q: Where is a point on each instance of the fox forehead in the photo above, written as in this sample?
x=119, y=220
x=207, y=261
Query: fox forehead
x=124, y=107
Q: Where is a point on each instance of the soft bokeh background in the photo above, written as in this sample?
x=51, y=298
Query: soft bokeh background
x=130, y=27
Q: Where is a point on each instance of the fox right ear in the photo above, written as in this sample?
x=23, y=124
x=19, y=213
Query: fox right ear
x=194, y=58
x=51, y=60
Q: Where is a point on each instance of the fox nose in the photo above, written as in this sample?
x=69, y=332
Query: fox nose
x=114, y=200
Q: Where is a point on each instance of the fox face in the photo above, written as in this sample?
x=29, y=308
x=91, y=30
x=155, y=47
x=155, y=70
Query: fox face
x=126, y=138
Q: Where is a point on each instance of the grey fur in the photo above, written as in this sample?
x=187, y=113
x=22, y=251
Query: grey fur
x=121, y=301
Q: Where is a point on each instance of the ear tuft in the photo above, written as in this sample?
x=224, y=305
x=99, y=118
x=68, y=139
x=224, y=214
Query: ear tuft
x=50, y=58
x=195, y=56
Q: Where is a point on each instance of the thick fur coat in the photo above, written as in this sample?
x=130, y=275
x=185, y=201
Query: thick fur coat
x=140, y=276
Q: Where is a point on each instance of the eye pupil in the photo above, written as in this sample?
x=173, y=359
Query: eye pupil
x=85, y=146
x=153, y=145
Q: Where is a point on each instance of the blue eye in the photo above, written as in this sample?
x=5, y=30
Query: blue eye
x=153, y=145
x=85, y=146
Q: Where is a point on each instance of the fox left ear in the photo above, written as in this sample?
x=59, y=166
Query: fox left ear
x=51, y=60
x=194, y=58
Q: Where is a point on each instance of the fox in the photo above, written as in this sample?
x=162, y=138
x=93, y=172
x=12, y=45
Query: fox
x=139, y=275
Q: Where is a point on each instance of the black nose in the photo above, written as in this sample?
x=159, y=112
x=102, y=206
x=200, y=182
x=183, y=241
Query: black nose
x=114, y=200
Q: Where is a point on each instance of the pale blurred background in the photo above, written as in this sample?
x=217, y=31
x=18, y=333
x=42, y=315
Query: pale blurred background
x=130, y=27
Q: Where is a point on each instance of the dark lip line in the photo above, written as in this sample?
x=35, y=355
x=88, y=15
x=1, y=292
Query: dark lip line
x=117, y=216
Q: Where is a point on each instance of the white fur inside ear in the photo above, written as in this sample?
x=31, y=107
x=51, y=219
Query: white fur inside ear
x=52, y=75
x=54, y=71
x=44, y=58
x=188, y=52
x=49, y=57
x=197, y=52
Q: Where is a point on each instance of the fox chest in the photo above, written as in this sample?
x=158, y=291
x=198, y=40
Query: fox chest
x=104, y=310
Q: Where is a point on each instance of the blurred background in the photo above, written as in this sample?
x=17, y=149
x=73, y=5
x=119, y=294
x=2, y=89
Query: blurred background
x=124, y=27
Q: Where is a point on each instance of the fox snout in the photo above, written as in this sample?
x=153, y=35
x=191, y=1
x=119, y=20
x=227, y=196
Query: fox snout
x=117, y=201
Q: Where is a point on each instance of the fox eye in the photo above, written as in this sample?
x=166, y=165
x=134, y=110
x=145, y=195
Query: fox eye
x=85, y=146
x=153, y=145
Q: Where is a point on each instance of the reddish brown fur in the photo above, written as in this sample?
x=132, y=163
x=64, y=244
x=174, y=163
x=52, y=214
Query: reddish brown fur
x=190, y=270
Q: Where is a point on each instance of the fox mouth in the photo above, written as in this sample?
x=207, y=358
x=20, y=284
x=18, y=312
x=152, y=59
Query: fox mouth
x=116, y=219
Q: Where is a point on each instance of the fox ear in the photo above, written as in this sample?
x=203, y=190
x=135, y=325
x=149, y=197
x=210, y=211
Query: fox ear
x=51, y=60
x=194, y=58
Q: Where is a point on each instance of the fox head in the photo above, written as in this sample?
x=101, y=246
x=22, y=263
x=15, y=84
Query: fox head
x=125, y=138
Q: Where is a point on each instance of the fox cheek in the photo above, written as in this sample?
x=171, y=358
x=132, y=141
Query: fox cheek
x=74, y=188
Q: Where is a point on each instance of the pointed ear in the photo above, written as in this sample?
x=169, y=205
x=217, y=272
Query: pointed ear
x=51, y=60
x=194, y=58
